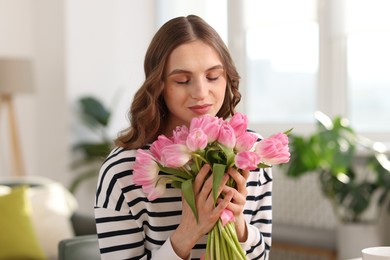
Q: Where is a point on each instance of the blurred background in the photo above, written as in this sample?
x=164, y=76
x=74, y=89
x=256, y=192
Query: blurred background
x=295, y=57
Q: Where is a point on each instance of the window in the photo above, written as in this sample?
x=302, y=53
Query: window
x=297, y=57
x=308, y=55
x=369, y=89
x=368, y=62
x=281, y=60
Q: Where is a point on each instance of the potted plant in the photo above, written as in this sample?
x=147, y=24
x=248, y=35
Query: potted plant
x=89, y=154
x=353, y=171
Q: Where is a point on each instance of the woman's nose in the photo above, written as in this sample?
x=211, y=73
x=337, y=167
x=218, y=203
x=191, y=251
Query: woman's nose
x=199, y=89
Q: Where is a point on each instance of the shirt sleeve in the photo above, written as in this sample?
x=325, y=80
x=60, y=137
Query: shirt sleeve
x=120, y=238
x=258, y=212
x=120, y=233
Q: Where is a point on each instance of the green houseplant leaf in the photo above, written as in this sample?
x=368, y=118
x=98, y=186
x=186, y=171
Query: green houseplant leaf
x=94, y=112
x=332, y=152
x=90, y=154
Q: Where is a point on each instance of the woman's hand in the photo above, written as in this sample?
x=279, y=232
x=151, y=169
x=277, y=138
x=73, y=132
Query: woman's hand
x=189, y=231
x=236, y=205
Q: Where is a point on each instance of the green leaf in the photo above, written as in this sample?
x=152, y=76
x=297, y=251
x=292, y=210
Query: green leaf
x=214, y=156
x=176, y=184
x=170, y=178
x=173, y=171
x=94, y=110
x=263, y=165
x=229, y=154
x=348, y=178
x=194, y=166
x=189, y=196
x=288, y=131
x=218, y=172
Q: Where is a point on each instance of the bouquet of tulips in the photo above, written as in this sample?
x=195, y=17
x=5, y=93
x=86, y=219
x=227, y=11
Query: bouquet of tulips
x=221, y=144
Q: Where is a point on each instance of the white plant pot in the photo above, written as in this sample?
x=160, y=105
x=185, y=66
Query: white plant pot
x=353, y=237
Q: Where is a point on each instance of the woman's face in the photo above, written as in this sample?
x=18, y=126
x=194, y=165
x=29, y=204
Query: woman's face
x=195, y=83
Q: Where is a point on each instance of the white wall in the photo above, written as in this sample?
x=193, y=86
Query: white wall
x=79, y=47
x=19, y=24
x=16, y=40
x=49, y=155
x=105, y=51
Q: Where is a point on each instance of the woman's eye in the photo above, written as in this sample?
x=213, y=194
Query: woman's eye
x=182, y=82
x=212, y=78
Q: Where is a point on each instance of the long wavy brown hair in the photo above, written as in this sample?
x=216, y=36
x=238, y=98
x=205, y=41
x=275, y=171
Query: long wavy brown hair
x=148, y=108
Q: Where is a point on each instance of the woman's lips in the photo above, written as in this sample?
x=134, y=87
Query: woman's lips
x=200, y=109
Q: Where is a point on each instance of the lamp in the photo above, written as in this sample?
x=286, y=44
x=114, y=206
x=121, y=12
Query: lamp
x=16, y=76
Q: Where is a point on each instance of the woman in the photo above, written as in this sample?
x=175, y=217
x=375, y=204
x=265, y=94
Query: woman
x=189, y=73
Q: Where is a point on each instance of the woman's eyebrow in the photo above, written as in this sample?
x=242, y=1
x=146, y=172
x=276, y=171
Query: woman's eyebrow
x=216, y=67
x=181, y=71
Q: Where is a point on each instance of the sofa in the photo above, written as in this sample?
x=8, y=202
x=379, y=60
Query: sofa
x=36, y=215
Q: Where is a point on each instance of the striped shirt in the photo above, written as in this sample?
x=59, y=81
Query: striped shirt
x=130, y=226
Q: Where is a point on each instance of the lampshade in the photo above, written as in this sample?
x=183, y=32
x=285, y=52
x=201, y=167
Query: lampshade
x=16, y=76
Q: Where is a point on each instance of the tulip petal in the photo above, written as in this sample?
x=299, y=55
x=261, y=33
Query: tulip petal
x=227, y=216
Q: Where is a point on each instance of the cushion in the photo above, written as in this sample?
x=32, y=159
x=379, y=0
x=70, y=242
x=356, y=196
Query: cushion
x=18, y=239
x=5, y=190
x=52, y=208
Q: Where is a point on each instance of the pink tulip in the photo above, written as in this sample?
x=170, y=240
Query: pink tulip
x=145, y=174
x=154, y=190
x=158, y=145
x=245, y=141
x=145, y=169
x=227, y=136
x=283, y=138
x=180, y=135
x=200, y=122
x=212, y=130
x=227, y=216
x=209, y=124
x=239, y=123
x=175, y=155
x=247, y=160
x=274, y=149
x=196, y=140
